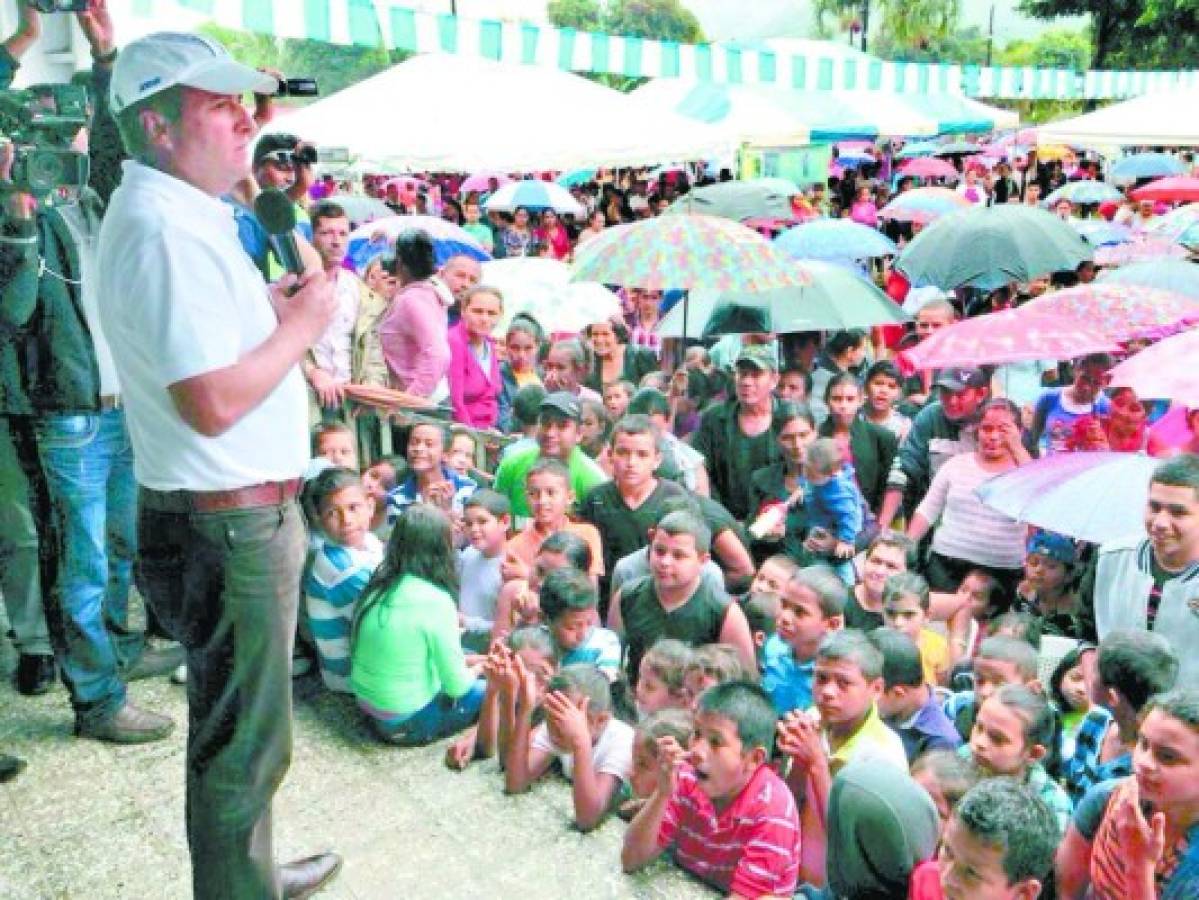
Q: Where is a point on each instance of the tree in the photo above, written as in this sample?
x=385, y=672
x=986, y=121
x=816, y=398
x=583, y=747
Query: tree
x=1132, y=34
x=581, y=15
x=663, y=20
x=1060, y=48
x=904, y=29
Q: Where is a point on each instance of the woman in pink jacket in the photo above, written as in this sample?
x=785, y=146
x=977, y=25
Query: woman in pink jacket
x=413, y=330
x=474, y=365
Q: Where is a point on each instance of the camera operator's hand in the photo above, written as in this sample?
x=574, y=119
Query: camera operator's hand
x=96, y=22
x=264, y=104
x=28, y=31
x=17, y=204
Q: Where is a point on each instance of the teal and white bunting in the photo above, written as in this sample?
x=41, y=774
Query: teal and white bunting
x=383, y=23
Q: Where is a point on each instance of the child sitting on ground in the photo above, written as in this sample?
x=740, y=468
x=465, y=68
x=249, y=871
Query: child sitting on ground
x=568, y=603
x=339, y=569
x=810, y=608
x=946, y=777
x=379, y=478
x=617, y=395
x=548, y=490
x=487, y=516
x=461, y=455
x=999, y=844
x=1012, y=734
x=670, y=722
x=333, y=444
x=772, y=576
x=908, y=703
x=1000, y=660
x=985, y=597
x=662, y=677
x=761, y=612
x=905, y=609
x=713, y=664
x=1069, y=694
x=721, y=809
x=530, y=649
x=594, y=749
x=518, y=603
x=834, y=504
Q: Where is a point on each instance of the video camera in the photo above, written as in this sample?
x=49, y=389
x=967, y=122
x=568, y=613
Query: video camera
x=58, y=6
x=41, y=121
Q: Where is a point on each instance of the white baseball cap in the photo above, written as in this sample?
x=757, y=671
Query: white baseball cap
x=167, y=58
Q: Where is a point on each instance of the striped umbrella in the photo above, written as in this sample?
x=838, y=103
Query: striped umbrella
x=1122, y=312
x=686, y=251
x=923, y=205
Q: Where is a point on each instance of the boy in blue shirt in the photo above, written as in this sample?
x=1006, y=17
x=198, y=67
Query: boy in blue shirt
x=811, y=605
x=908, y=703
x=569, y=602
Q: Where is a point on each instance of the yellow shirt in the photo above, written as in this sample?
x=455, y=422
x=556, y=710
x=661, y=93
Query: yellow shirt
x=934, y=653
x=873, y=742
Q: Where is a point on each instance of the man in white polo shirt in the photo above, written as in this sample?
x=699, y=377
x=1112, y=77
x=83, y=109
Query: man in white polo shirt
x=215, y=402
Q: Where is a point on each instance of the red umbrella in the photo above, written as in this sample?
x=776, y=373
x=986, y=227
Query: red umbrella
x=1175, y=189
x=1005, y=337
x=928, y=167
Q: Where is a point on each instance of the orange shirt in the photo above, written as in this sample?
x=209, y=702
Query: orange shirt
x=524, y=546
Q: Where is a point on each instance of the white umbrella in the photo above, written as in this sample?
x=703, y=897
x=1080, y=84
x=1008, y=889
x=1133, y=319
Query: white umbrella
x=534, y=194
x=1094, y=497
x=542, y=289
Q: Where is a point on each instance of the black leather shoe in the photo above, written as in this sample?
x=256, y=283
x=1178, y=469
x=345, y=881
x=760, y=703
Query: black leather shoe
x=305, y=877
x=10, y=767
x=130, y=725
x=154, y=662
x=36, y=673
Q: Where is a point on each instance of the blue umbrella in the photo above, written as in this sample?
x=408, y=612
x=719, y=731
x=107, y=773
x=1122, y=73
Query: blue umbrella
x=534, y=194
x=1084, y=192
x=377, y=238
x=854, y=158
x=918, y=148
x=1102, y=233
x=1175, y=275
x=577, y=177
x=1147, y=165
x=833, y=239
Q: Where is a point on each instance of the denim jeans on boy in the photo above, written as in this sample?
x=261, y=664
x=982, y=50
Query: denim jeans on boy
x=88, y=465
x=440, y=717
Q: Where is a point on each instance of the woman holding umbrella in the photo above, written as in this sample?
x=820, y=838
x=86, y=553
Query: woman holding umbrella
x=614, y=359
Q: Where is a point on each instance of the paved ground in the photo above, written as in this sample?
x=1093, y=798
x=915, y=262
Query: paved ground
x=91, y=820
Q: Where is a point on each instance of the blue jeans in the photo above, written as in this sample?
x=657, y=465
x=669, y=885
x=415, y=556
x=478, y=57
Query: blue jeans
x=440, y=717
x=88, y=465
x=25, y=561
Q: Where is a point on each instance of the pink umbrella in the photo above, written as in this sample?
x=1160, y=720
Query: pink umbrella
x=1175, y=189
x=1006, y=337
x=1139, y=251
x=481, y=181
x=1164, y=370
x=1123, y=312
x=929, y=167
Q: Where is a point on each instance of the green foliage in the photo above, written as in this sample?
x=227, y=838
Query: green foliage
x=1132, y=34
x=662, y=20
x=1055, y=48
x=335, y=66
x=912, y=30
x=964, y=46
x=581, y=15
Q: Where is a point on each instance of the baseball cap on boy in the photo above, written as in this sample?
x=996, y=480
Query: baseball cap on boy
x=162, y=60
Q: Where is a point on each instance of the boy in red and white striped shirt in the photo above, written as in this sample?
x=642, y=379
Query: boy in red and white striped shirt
x=719, y=807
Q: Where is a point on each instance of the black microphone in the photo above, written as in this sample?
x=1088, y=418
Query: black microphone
x=278, y=216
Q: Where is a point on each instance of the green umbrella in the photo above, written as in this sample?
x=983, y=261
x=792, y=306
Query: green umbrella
x=836, y=298
x=988, y=247
x=756, y=198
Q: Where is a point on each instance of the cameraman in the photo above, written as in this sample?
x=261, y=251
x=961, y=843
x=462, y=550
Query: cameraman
x=66, y=373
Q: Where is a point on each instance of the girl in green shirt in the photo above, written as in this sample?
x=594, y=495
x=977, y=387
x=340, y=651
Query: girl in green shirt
x=408, y=670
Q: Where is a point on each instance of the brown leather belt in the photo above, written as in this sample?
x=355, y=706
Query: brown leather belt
x=109, y=402
x=270, y=493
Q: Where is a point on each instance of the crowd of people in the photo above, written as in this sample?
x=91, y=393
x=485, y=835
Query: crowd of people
x=742, y=594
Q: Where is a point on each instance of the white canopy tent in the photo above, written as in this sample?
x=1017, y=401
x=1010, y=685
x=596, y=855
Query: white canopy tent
x=459, y=114
x=1165, y=119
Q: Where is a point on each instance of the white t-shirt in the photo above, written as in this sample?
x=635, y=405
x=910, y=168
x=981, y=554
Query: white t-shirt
x=332, y=351
x=179, y=297
x=481, y=582
x=612, y=754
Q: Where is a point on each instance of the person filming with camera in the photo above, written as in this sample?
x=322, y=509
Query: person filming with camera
x=62, y=397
